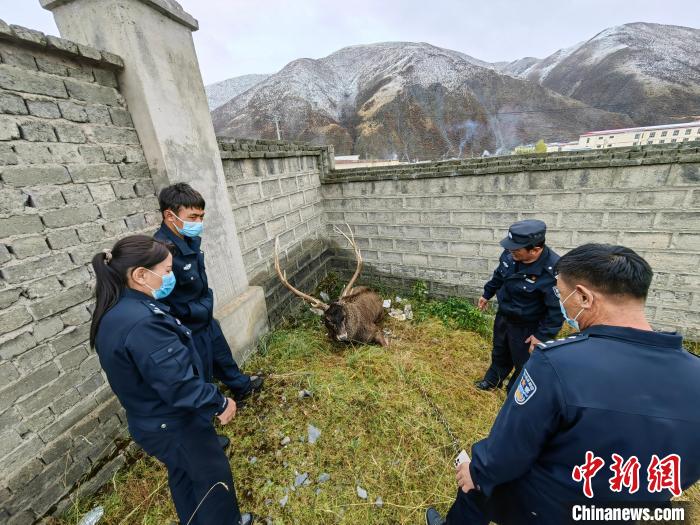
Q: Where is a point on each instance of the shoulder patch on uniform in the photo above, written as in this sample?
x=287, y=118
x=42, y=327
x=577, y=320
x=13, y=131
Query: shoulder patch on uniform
x=548, y=345
x=525, y=390
x=153, y=307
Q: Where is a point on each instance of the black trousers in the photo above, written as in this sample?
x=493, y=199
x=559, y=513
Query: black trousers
x=218, y=360
x=509, y=350
x=198, y=472
x=474, y=508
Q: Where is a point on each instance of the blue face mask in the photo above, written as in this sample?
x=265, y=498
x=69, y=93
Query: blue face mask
x=573, y=323
x=189, y=229
x=167, y=285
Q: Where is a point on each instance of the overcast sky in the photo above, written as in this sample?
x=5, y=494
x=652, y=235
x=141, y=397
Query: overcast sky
x=237, y=37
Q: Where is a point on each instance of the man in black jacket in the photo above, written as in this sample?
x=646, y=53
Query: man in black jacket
x=528, y=308
x=192, y=301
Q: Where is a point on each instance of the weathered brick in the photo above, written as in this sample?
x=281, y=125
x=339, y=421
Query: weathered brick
x=91, y=233
x=33, y=358
x=121, y=117
x=15, y=79
x=45, y=197
x=76, y=315
x=8, y=129
x=42, y=287
x=7, y=155
x=13, y=319
x=31, y=269
x=76, y=194
x=75, y=277
x=47, y=328
x=114, y=209
x=43, y=397
x=136, y=222
x=12, y=104
x=4, y=254
x=31, y=36
x=12, y=201
x=8, y=373
x=92, y=93
x=135, y=171
x=50, y=65
x=43, y=108
x=98, y=115
x=65, y=153
x=37, y=131
x=17, y=345
x=60, y=302
x=68, y=216
x=29, y=247
x=33, y=153
x=9, y=297
x=19, y=176
x=72, y=111
x=19, y=225
x=70, y=133
x=94, y=172
x=103, y=192
x=92, y=154
x=122, y=190
x=144, y=188
x=21, y=58
x=29, y=383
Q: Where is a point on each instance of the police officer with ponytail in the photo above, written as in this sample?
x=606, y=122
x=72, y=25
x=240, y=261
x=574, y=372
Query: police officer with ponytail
x=152, y=365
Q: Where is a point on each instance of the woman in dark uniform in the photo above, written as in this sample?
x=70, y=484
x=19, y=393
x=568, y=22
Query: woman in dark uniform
x=153, y=368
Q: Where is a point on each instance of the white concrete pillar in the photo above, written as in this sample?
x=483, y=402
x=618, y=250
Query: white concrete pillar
x=163, y=88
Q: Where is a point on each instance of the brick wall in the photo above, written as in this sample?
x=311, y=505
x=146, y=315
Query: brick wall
x=275, y=192
x=441, y=222
x=73, y=179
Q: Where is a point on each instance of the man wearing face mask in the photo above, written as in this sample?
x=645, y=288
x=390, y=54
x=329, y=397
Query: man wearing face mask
x=605, y=416
x=528, y=309
x=192, y=301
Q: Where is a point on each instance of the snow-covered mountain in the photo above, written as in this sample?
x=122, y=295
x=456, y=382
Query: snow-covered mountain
x=221, y=92
x=648, y=71
x=405, y=100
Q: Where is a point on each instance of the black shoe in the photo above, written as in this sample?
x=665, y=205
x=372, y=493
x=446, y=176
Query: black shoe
x=224, y=442
x=247, y=519
x=432, y=517
x=256, y=384
x=484, y=385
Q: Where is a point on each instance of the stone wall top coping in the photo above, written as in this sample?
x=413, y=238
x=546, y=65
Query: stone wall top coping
x=169, y=8
x=36, y=39
x=612, y=157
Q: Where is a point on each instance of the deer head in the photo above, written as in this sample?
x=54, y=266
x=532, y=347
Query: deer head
x=334, y=314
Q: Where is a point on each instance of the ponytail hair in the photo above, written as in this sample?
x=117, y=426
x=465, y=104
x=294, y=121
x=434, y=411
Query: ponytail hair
x=113, y=266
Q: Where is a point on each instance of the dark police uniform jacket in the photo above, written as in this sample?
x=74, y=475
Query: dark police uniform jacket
x=152, y=366
x=609, y=390
x=526, y=294
x=192, y=301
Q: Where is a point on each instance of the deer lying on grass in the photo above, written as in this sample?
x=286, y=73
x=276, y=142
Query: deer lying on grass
x=354, y=316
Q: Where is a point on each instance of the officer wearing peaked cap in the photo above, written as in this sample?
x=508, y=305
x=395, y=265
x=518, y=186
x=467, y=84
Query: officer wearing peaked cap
x=528, y=308
x=606, y=416
x=152, y=366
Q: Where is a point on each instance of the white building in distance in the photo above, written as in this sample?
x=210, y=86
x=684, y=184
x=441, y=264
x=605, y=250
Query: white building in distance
x=664, y=134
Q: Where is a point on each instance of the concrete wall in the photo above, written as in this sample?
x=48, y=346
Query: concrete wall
x=275, y=191
x=442, y=222
x=72, y=180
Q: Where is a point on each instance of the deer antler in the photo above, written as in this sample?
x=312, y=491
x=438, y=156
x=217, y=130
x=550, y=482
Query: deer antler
x=358, y=256
x=283, y=277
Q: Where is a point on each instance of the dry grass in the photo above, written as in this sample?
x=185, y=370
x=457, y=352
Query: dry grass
x=377, y=430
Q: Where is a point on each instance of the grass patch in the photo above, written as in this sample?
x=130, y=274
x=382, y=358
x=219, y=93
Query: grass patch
x=378, y=431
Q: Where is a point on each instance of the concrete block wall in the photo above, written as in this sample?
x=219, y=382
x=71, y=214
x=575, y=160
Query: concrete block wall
x=275, y=191
x=441, y=222
x=73, y=179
